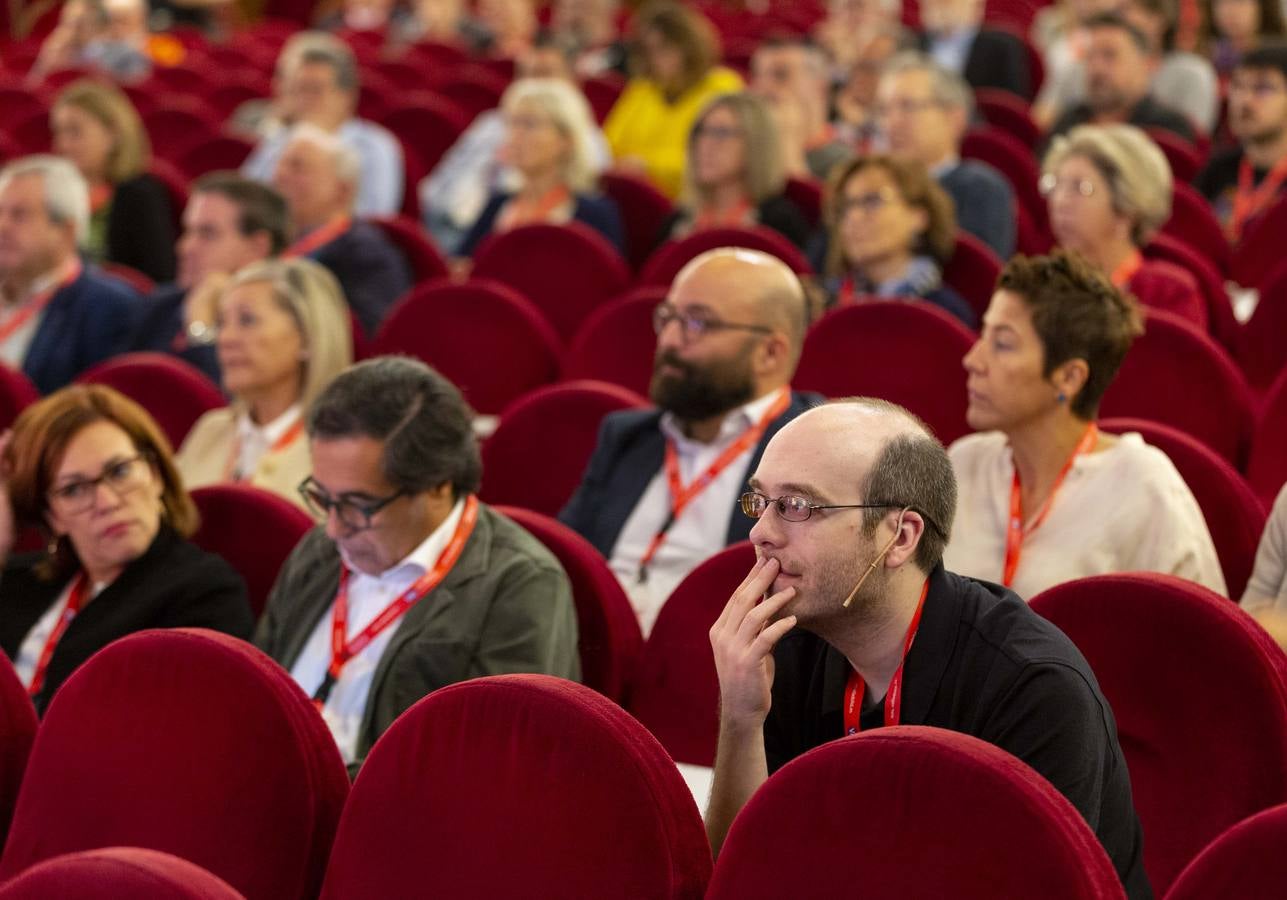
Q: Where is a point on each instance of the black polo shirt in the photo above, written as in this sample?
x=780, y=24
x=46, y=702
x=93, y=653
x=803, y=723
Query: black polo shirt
x=986, y=665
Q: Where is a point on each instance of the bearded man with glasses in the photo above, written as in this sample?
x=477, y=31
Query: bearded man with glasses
x=848, y=621
x=659, y=495
x=410, y=583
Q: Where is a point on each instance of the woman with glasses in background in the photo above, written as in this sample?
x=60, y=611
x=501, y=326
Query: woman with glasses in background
x=890, y=231
x=1044, y=496
x=1108, y=188
x=284, y=332
x=91, y=471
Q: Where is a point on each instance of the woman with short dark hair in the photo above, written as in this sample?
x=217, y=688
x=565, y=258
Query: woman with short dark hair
x=1045, y=497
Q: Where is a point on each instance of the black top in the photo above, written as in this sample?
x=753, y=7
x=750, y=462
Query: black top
x=173, y=584
x=140, y=227
x=986, y=665
x=160, y=325
x=371, y=270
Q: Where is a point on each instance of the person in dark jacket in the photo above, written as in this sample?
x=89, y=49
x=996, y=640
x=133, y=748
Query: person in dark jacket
x=90, y=470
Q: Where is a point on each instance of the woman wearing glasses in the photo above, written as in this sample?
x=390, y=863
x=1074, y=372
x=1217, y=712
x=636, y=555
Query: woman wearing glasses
x=1044, y=496
x=891, y=229
x=91, y=471
x=1108, y=188
x=284, y=333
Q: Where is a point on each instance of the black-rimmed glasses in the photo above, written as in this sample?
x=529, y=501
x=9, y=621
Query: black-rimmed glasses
x=694, y=325
x=798, y=509
x=123, y=476
x=353, y=514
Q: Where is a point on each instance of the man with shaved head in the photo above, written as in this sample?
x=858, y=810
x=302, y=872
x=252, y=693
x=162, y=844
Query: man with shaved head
x=660, y=493
x=861, y=627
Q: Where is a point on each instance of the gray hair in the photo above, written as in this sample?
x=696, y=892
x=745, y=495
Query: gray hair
x=420, y=416
x=66, y=193
x=1138, y=175
x=345, y=160
x=946, y=87
x=326, y=49
x=566, y=107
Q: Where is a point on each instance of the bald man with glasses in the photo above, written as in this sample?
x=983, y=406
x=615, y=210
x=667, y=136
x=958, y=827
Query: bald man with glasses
x=659, y=495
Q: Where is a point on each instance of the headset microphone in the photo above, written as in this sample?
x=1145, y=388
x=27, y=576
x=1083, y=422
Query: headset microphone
x=875, y=562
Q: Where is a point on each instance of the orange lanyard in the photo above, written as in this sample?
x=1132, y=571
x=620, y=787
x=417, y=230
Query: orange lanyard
x=75, y=601
x=1249, y=200
x=36, y=303
x=1015, y=532
x=288, y=437
x=319, y=237
x=894, y=696
x=517, y=213
x=846, y=295
x=1126, y=270
x=343, y=649
x=730, y=218
x=681, y=495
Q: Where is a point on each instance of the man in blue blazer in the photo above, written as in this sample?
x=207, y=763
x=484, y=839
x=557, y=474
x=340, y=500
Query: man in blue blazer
x=660, y=494
x=58, y=317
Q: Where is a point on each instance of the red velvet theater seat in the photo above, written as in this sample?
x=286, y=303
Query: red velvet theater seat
x=972, y=272
x=16, y=394
x=617, y=342
x=518, y=786
x=668, y=259
x=175, y=393
x=1245, y=861
x=911, y=811
x=675, y=692
x=192, y=743
x=114, y=873
x=908, y=352
x=1199, y=691
x=17, y=731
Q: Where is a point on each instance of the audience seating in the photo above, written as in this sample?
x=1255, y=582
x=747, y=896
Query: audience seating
x=115, y=872
x=602, y=91
x=1199, y=692
x=427, y=126
x=1016, y=163
x=1259, y=251
x=1233, y=513
x=256, y=553
x=675, y=692
x=536, y=456
x=806, y=194
x=1261, y=351
x=192, y=743
x=473, y=92
x=911, y=811
x=1193, y=222
x=422, y=256
x=616, y=343
x=132, y=278
x=173, y=130
x=664, y=264
x=1004, y=110
x=174, y=392
x=1267, y=464
x=538, y=787
x=608, y=638
x=30, y=131
x=215, y=153
x=488, y=339
x=567, y=271
x=643, y=211
x=1177, y=375
x=908, y=352
x=17, y=731
x=16, y=394
x=973, y=271
x=1245, y=861
x=1185, y=160
x=1221, y=323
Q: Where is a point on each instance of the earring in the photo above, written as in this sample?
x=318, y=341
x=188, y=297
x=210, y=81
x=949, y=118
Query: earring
x=52, y=548
x=1063, y=398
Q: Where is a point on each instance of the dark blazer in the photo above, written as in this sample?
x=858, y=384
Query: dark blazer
x=997, y=59
x=984, y=204
x=778, y=213
x=600, y=213
x=160, y=323
x=140, y=227
x=630, y=451
x=370, y=269
x=85, y=323
x=172, y=585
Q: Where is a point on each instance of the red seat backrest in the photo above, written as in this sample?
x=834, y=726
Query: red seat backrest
x=643, y=210
x=1262, y=352
x=946, y=815
x=1199, y=692
x=1259, y=250
x=114, y=872
x=1193, y=222
x=670, y=257
x=16, y=394
x=1221, y=322
x=1267, y=463
x=17, y=731
x=1245, y=861
x=1006, y=111
x=174, y=392
x=536, y=787
x=421, y=255
x=616, y=343
x=973, y=271
x=1015, y=161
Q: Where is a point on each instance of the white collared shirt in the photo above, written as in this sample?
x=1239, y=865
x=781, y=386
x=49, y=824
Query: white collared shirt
x=13, y=350
x=368, y=596
x=253, y=441
x=24, y=663
x=701, y=531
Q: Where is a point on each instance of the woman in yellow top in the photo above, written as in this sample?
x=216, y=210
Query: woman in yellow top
x=284, y=333
x=675, y=75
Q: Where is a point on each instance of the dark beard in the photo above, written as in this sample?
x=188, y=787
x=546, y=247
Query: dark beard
x=698, y=393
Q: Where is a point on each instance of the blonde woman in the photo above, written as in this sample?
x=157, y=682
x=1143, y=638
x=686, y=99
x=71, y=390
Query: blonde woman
x=549, y=143
x=96, y=128
x=284, y=333
x=735, y=175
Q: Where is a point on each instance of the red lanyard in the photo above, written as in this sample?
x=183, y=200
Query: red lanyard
x=1015, y=532
x=1126, y=270
x=734, y=216
x=343, y=649
x=36, y=303
x=288, y=437
x=1249, y=200
x=894, y=696
x=75, y=600
x=681, y=495
x=319, y=237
